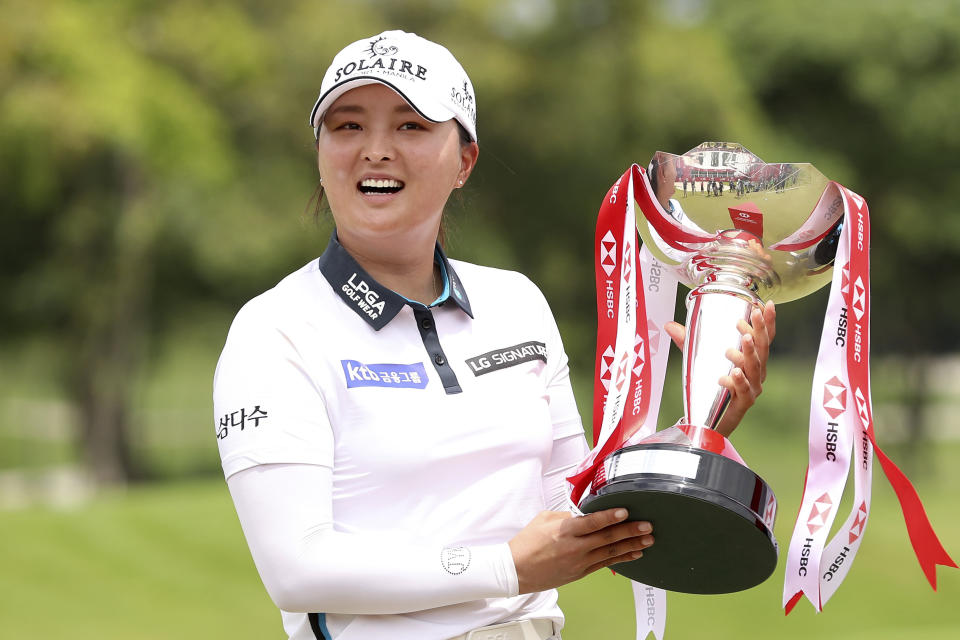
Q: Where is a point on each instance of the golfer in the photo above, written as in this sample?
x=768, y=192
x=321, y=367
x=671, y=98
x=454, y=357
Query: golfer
x=395, y=426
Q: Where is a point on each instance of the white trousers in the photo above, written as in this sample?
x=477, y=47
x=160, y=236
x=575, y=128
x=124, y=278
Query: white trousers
x=536, y=629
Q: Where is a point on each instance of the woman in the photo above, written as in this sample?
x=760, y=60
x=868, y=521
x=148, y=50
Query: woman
x=396, y=427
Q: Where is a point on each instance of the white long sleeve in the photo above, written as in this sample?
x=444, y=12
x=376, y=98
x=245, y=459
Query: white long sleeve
x=566, y=455
x=305, y=565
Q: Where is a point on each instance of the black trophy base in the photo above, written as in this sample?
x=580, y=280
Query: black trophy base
x=712, y=517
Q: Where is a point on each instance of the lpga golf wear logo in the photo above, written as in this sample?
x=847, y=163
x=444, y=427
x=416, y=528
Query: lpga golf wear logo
x=358, y=291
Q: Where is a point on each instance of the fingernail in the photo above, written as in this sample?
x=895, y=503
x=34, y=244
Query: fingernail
x=647, y=540
x=644, y=527
x=620, y=514
x=637, y=554
x=748, y=339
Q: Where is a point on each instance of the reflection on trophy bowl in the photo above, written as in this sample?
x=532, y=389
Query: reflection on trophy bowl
x=792, y=210
x=764, y=232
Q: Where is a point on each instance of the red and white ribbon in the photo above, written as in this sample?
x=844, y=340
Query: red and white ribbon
x=625, y=388
x=841, y=433
x=632, y=350
x=621, y=374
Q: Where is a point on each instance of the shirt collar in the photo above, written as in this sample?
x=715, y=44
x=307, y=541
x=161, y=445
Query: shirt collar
x=369, y=299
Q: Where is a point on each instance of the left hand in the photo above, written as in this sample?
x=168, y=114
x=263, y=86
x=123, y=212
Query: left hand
x=745, y=381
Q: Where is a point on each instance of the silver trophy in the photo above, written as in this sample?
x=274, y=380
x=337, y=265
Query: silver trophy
x=772, y=234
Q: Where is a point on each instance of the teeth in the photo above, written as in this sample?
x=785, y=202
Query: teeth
x=381, y=184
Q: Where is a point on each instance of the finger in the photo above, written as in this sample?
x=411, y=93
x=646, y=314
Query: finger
x=595, y=521
x=613, y=531
x=759, y=328
x=627, y=557
x=753, y=361
x=677, y=333
x=744, y=393
x=735, y=357
x=753, y=364
x=622, y=554
x=761, y=337
x=770, y=319
x=741, y=400
x=611, y=553
x=767, y=318
x=747, y=361
x=624, y=532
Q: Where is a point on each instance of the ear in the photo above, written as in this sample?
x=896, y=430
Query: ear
x=468, y=160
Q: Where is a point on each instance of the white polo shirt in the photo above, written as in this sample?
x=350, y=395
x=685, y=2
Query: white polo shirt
x=437, y=422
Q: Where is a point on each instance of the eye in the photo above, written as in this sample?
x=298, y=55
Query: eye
x=350, y=126
x=411, y=126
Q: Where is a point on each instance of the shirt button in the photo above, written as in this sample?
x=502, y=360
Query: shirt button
x=426, y=324
x=439, y=359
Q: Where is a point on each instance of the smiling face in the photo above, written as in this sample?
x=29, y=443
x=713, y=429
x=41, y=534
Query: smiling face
x=387, y=172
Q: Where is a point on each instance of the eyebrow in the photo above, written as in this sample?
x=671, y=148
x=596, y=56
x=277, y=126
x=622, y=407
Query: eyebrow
x=355, y=108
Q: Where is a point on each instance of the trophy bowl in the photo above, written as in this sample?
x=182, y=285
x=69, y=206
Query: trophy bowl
x=767, y=232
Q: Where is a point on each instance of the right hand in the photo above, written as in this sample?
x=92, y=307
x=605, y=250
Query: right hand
x=556, y=548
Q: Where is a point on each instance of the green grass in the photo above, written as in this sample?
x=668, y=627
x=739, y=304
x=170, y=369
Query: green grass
x=169, y=561
x=162, y=562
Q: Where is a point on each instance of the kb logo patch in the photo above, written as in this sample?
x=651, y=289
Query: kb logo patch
x=399, y=376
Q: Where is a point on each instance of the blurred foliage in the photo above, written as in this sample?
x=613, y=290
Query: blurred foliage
x=156, y=163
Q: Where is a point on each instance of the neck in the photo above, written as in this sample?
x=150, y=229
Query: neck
x=412, y=273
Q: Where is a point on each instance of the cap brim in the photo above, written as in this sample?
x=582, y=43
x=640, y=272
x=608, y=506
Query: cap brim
x=425, y=108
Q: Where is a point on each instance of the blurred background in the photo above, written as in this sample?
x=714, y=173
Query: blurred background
x=156, y=171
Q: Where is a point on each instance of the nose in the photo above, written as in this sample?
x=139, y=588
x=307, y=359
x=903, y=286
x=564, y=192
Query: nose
x=379, y=147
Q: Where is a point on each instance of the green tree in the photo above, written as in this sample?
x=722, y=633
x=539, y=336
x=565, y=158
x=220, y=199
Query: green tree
x=144, y=157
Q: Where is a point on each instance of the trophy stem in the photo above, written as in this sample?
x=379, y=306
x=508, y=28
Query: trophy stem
x=730, y=274
x=704, y=354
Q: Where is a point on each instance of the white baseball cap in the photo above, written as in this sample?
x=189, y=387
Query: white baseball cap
x=424, y=73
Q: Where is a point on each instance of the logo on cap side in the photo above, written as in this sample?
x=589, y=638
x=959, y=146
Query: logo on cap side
x=464, y=99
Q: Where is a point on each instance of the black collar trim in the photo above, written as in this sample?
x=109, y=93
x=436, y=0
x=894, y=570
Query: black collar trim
x=369, y=299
